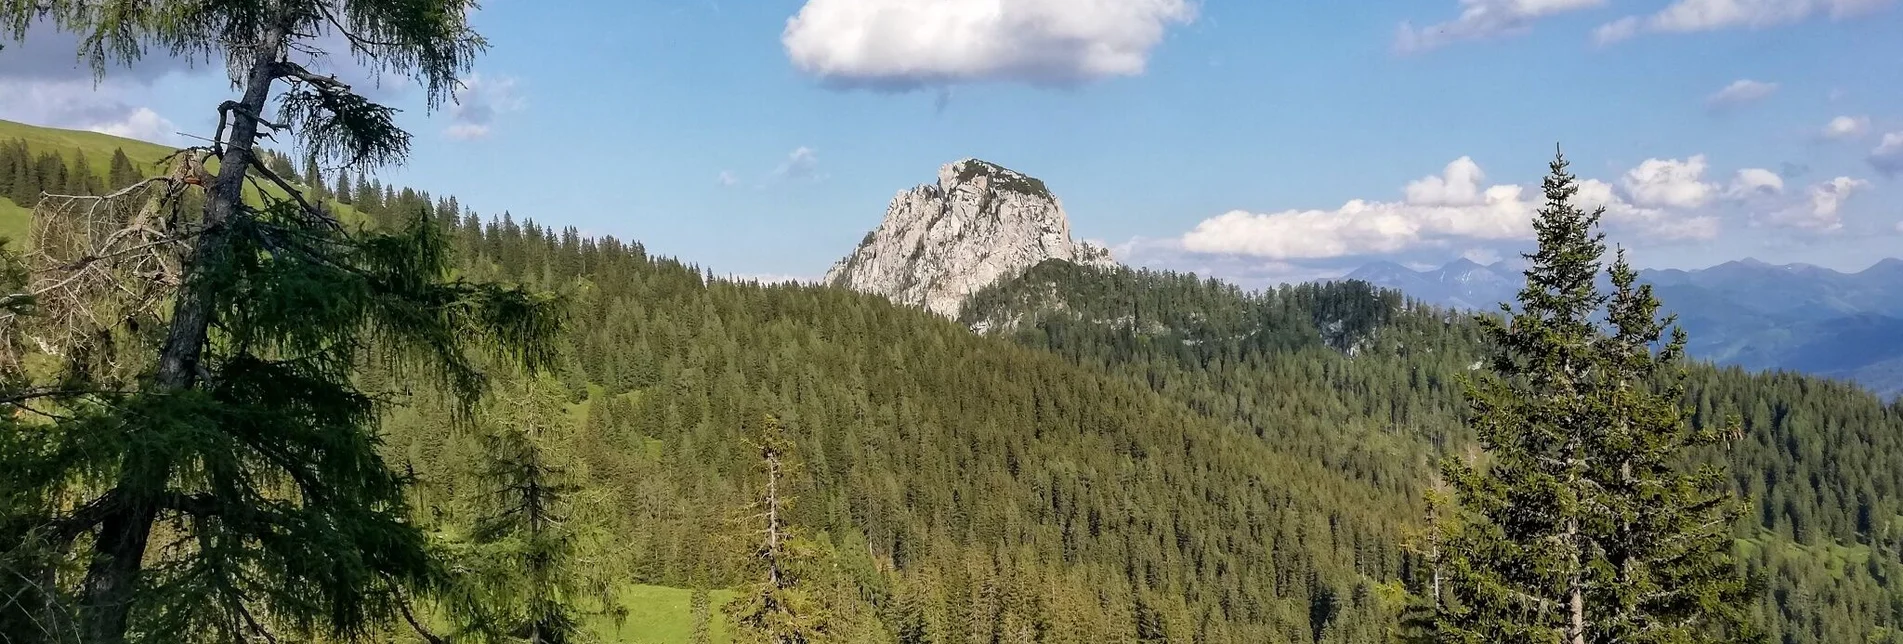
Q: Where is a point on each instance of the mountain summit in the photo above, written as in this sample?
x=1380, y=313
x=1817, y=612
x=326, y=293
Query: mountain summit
x=939, y=243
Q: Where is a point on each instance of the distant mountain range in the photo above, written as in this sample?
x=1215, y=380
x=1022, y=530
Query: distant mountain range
x=1748, y=313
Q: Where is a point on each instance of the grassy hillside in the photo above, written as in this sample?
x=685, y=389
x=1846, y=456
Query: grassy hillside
x=97, y=147
x=98, y=150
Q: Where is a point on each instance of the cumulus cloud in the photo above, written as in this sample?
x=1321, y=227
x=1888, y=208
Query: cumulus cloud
x=801, y=163
x=1483, y=19
x=1821, y=211
x=478, y=102
x=1658, y=200
x=1243, y=270
x=1740, y=92
x=1669, y=183
x=727, y=178
x=907, y=44
x=1846, y=127
x=143, y=124
x=81, y=104
x=1755, y=182
x=1684, y=16
x=1449, y=206
x=1887, y=158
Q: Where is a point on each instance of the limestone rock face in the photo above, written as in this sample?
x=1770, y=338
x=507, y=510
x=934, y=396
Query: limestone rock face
x=939, y=243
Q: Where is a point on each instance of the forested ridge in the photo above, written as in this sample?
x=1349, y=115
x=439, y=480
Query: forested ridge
x=1166, y=457
x=1818, y=459
x=1125, y=455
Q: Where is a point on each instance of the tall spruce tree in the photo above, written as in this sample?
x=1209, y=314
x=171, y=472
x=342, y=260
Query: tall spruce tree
x=1578, y=524
x=249, y=443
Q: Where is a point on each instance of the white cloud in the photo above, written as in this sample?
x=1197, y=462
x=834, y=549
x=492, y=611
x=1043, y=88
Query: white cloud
x=1617, y=30
x=1741, y=92
x=478, y=103
x=466, y=131
x=1482, y=19
x=1452, y=205
x=1684, y=16
x=727, y=178
x=1659, y=200
x=770, y=279
x=1846, y=127
x=1755, y=182
x=1669, y=183
x=82, y=105
x=801, y=163
x=143, y=124
x=1887, y=158
x=1821, y=212
x=906, y=44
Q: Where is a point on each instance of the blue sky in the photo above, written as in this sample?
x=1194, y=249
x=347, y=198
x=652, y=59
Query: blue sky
x=765, y=137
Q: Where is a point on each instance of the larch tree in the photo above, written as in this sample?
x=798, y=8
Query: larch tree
x=522, y=558
x=778, y=609
x=1578, y=523
x=238, y=490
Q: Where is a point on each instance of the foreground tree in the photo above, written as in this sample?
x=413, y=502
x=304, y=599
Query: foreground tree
x=246, y=449
x=778, y=609
x=1580, y=524
x=523, y=578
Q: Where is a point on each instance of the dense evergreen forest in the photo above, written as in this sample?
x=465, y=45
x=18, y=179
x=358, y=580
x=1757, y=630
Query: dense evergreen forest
x=1166, y=457
x=1159, y=457
x=1819, y=460
x=1122, y=455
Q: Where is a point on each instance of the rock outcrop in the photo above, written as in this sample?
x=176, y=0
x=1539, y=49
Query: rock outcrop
x=939, y=243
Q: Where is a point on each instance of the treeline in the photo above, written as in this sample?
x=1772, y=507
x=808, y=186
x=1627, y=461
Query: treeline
x=25, y=173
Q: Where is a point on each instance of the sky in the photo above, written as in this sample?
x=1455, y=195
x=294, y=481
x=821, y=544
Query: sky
x=1255, y=141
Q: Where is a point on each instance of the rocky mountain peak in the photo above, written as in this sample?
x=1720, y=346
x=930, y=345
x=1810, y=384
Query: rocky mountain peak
x=939, y=243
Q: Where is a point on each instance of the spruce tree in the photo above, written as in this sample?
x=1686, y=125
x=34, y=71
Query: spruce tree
x=344, y=194
x=1577, y=525
x=314, y=178
x=249, y=439
x=121, y=173
x=1667, y=573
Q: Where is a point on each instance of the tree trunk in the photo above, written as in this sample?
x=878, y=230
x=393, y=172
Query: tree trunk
x=119, y=553
x=1576, y=628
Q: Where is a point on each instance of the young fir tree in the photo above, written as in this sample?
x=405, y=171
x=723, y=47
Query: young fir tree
x=1579, y=525
x=240, y=489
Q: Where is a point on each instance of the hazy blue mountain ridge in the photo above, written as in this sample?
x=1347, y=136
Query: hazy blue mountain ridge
x=1747, y=312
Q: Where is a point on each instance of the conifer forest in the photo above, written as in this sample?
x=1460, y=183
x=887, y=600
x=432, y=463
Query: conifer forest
x=257, y=394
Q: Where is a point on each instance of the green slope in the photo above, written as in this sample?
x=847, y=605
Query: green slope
x=97, y=147
x=662, y=615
